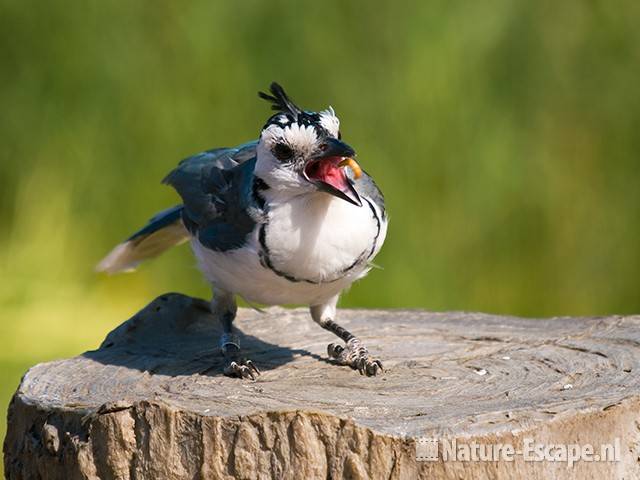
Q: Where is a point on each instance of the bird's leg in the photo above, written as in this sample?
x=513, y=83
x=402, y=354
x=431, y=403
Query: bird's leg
x=353, y=353
x=223, y=306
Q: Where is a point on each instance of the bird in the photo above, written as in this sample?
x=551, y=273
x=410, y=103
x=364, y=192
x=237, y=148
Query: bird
x=289, y=218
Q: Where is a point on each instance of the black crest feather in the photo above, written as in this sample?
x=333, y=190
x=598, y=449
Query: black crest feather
x=280, y=101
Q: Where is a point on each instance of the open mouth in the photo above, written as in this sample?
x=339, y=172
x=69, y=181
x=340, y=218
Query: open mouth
x=329, y=175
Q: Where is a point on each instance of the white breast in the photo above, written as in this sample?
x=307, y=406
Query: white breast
x=318, y=237
x=316, y=246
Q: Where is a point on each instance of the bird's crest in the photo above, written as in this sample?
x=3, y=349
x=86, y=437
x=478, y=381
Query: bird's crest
x=280, y=101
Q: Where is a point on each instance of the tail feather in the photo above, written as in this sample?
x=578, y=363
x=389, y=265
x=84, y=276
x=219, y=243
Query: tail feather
x=163, y=231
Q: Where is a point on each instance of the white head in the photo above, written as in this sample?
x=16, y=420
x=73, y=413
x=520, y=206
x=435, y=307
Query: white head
x=300, y=152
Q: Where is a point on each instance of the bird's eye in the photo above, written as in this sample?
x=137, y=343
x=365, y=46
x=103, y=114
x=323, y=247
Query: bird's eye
x=282, y=151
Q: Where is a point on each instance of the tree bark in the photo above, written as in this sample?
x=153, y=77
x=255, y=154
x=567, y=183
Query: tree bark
x=152, y=402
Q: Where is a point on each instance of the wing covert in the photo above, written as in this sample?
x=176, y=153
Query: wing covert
x=216, y=190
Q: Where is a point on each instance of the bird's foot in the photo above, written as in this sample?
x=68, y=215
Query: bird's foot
x=241, y=369
x=355, y=355
x=236, y=366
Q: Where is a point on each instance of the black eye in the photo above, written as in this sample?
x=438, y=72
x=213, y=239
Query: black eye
x=282, y=151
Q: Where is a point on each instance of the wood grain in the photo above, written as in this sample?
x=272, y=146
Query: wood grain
x=151, y=401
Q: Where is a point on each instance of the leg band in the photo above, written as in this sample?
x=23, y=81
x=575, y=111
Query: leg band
x=228, y=339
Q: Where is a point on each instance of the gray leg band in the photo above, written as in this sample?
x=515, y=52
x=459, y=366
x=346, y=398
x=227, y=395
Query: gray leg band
x=229, y=339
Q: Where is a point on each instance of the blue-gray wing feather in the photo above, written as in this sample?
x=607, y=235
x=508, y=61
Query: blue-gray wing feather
x=216, y=187
x=159, y=221
x=366, y=187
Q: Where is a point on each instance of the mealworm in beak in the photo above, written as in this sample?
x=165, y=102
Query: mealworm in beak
x=353, y=165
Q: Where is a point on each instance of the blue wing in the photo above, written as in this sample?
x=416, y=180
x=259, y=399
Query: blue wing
x=217, y=193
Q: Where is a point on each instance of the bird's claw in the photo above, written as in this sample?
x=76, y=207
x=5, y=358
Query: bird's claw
x=356, y=356
x=242, y=369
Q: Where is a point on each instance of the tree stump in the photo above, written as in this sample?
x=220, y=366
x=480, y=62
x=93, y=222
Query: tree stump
x=151, y=402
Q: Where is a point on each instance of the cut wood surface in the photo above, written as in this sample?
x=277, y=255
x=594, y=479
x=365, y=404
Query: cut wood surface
x=152, y=402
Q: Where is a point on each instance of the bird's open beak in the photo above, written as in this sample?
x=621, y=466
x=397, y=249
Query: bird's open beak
x=326, y=171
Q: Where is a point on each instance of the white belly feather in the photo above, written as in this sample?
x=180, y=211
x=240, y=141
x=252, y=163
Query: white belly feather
x=321, y=241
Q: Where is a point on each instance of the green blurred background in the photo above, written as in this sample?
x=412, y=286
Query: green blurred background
x=505, y=135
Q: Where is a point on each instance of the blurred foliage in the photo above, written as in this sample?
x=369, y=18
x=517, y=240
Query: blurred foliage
x=505, y=135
